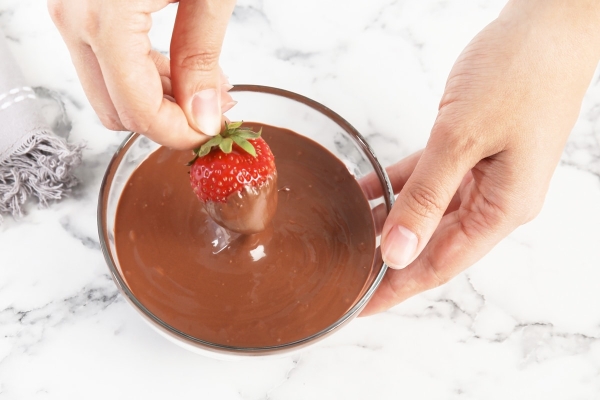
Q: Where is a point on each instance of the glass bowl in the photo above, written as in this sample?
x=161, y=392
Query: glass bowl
x=279, y=108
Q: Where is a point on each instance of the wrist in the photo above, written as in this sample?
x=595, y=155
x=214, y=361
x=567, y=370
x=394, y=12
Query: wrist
x=577, y=18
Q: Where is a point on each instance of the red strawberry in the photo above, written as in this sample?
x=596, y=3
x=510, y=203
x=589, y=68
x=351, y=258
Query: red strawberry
x=234, y=175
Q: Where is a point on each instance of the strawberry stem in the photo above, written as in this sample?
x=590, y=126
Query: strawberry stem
x=234, y=132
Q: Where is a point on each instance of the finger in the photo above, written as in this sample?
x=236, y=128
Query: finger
x=92, y=81
x=162, y=63
x=167, y=88
x=397, y=173
x=462, y=238
x=227, y=101
x=85, y=62
x=457, y=198
x=164, y=69
x=134, y=83
x=163, y=66
x=195, y=49
x=423, y=200
x=379, y=214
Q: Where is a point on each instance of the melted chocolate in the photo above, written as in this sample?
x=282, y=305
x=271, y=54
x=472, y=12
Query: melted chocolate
x=288, y=282
x=249, y=211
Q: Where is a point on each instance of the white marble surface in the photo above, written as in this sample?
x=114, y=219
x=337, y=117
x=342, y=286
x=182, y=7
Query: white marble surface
x=524, y=323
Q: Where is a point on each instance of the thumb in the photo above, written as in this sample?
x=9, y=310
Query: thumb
x=422, y=201
x=199, y=87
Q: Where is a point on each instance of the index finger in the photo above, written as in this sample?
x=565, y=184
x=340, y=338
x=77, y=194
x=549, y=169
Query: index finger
x=398, y=174
x=133, y=82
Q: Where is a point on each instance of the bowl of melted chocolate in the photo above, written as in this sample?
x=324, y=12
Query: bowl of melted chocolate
x=310, y=271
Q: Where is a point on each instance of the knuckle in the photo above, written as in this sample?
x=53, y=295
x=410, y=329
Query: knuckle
x=90, y=27
x=531, y=211
x=423, y=201
x=56, y=10
x=80, y=21
x=479, y=224
x=484, y=215
x=457, y=139
x=434, y=277
x=134, y=121
x=532, y=214
x=111, y=122
x=162, y=62
x=433, y=272
x=205, y=61
x=107, y=25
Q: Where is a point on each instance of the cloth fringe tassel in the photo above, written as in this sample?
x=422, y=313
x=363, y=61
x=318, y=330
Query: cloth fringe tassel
x=41, y=167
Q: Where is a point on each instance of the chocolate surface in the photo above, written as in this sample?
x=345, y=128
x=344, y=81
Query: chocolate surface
x=249, y=211
x=288, y=282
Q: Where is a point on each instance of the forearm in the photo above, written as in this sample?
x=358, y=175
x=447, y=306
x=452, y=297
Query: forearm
x=561, y=40
x=578, y=20
x=577, y=11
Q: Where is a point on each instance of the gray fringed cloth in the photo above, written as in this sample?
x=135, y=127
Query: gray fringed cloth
x=33, y=161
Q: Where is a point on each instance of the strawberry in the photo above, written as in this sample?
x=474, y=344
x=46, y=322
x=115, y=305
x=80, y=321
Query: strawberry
x=231, y=173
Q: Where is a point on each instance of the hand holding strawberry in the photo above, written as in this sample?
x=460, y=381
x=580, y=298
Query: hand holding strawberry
x=234, y=176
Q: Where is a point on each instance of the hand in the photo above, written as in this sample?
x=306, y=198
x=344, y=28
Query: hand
x=130, y=86
x=509, y=105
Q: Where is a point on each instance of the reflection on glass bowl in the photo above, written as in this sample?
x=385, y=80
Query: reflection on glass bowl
x=274, y=107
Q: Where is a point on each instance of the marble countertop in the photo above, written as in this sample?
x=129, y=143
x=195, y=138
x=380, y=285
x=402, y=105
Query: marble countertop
x=524, y=323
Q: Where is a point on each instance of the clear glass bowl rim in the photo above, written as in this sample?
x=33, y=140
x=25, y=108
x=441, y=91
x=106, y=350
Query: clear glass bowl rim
x=388, y=196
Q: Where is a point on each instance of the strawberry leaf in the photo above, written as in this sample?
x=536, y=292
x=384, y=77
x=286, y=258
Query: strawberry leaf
x=226, y=145
x=234, y=125
x=192, y=161
x=233, y=133
x=203, y=151
x=244, y=144
x=246, y=134
x=206, y=147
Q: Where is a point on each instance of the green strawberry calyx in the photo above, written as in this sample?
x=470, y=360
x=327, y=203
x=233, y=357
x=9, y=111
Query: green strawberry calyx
x=234, y=132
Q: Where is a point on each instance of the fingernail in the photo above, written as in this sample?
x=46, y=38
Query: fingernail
x=228, y=106
x=225, y=98
x=399, y=247
x=207, y=111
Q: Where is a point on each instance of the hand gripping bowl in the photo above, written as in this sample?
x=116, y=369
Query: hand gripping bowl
x=274, y=107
